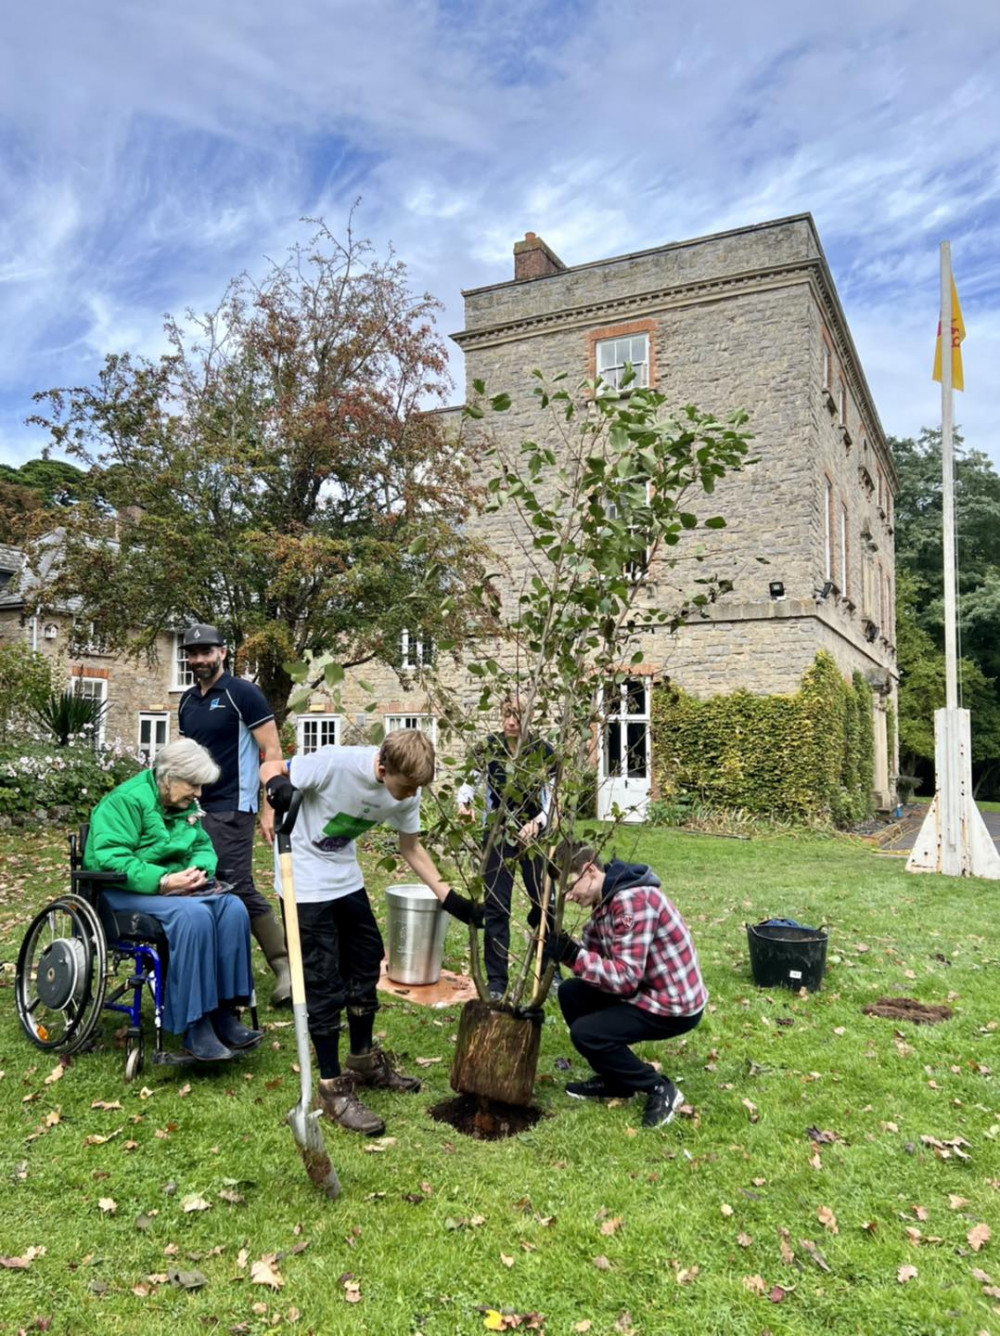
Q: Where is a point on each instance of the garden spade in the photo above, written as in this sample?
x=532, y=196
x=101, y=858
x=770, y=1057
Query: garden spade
x=303, y=1119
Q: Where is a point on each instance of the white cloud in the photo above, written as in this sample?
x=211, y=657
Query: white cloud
x=153, y=152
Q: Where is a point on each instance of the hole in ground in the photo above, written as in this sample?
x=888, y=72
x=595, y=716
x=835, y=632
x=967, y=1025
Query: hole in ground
x=485, y=1119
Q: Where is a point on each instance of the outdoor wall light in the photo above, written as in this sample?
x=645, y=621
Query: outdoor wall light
x=871, y=631
x=776, y=589
x=827, y=589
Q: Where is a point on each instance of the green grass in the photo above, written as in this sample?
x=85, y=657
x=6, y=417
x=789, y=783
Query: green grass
x=435, y=1228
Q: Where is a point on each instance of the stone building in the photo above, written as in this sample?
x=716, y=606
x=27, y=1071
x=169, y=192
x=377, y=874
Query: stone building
x=748, y=319
x=141, y=696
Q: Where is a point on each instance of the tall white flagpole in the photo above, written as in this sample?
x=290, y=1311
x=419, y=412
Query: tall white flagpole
x=948, y=483
x=953, y=838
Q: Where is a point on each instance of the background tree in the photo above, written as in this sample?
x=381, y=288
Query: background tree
x=31, y=496
x=25, y=685
x=920, y=600
x=272, y=472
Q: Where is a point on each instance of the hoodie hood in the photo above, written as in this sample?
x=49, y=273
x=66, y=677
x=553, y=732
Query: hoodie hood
x=619, y=876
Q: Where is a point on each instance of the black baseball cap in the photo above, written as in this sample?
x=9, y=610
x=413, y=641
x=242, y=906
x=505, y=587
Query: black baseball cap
x=202, y=634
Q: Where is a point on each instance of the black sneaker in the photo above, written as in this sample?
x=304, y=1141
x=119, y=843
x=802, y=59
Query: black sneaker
x=662, y=1103
x=595, y=1088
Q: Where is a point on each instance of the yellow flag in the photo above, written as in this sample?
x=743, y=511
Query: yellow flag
x=957, y=335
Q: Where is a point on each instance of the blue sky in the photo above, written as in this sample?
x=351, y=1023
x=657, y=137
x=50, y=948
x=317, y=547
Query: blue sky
x=148, y=153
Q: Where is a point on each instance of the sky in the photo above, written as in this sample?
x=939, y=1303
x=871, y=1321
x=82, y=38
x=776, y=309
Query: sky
x=148, y=153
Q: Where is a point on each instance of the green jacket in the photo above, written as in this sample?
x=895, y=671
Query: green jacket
x=132, y=833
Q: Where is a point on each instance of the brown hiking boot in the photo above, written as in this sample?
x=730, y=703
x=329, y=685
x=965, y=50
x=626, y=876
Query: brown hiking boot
x=374, y=1069
x=341, y=1105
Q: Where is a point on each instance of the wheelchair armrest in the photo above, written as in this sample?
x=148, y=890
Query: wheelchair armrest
x=108, y=881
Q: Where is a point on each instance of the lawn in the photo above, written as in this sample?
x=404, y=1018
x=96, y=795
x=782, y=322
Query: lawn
x=832, y=1170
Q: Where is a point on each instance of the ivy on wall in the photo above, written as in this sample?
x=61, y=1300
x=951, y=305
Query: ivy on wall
x=808, y=755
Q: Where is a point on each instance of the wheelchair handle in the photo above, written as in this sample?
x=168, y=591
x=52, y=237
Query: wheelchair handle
x=283, y=828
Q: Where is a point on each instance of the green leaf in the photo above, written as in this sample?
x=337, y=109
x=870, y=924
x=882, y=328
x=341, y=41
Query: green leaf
x=500, y=403
x=716, y=522
x=333, y=673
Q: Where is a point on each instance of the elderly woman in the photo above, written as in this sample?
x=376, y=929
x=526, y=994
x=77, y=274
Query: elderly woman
x=149, y=831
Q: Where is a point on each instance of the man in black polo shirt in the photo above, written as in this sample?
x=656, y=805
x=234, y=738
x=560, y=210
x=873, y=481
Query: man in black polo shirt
x=233, y=721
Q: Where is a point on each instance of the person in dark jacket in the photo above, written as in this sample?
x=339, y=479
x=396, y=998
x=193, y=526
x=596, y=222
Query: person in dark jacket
x=149, y=831
x=635, y=977
x=515, y=770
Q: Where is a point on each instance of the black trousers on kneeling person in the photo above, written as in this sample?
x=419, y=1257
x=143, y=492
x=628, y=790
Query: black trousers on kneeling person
x=603, y=1026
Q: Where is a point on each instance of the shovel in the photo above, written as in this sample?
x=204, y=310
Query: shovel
x=303, y=1119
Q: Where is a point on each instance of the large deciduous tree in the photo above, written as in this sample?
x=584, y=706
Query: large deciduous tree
x=272, y=472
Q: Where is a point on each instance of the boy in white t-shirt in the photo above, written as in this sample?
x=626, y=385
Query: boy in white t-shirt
x=347, y=790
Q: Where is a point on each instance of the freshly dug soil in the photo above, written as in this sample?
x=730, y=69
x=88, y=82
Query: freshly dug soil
x=908, y=1009
x=485, y=1119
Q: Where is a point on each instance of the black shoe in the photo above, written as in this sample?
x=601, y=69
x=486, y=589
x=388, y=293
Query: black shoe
x=232, y=1033
x=496, y=994
x=596, y=1088
x=201, y=1041
x=662, y=1103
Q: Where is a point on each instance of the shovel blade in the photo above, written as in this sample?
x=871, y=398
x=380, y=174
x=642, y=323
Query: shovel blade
x=309, y=1139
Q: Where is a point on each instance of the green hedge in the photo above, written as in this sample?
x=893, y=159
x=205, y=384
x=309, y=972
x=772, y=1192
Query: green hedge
x=811, y=755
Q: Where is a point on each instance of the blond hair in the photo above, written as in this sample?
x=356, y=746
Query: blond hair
x=409, y=753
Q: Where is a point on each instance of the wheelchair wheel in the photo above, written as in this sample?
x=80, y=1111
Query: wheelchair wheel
x=134, y=1059
x=62, y=975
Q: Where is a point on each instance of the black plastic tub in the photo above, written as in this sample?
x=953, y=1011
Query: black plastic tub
x=787, y=956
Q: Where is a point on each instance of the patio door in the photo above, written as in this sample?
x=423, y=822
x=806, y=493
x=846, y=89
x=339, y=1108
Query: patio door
x=624, y=778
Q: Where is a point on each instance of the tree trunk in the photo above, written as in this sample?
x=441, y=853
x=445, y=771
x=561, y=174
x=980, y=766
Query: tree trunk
x=497, y=1054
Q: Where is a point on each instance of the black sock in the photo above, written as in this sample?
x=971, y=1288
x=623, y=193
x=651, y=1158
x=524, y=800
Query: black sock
x=362, y=1031
x=327, y=1048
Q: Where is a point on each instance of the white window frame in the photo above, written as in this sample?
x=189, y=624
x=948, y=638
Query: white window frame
x=420, y=646
x=422, y=723
x=634, y=572
x=844, y=572
x=153, y=717
x=611, y=357
x=828, y=529
x=94, y=646
x=322, y=724
x=181, y=676
x=100, y=695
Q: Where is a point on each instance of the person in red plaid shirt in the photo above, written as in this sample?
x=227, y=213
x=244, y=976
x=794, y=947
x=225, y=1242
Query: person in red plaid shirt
x=635, y=977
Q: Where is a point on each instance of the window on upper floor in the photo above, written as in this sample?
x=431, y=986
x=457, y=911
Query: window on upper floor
x=615, y=355
x=416, y=650
x=181, y=675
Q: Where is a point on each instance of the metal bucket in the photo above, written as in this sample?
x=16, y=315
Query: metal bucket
x=417, y=928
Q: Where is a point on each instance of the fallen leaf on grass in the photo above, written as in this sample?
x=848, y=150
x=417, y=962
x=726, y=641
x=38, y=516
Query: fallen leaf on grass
x=755, y=1284
x=956, y=1202
x=188, y=1280
x=264, y=1272
x=978, y=1235
x=583, y=1326
x=744, y=1240
x=24, y=1261
x=184, y=1090
x=687, y=1274
x=751, y=1109
x=726, y=1209
x=827, y=1219
x=777, y=1293
x=108, y=1205
x=814, y=1253
x=427, y=1062
x=378, y=1146
x=106, y=1104
x=194, y=1201
x=787, y=1254
x=96, y=1140
x=906, y=1273
x=352, y=1291
x=602, y=1263
x=230, y=1195
x=981, y=1276
x=56, y=1074
x=612, y=1226
x=507, y=1260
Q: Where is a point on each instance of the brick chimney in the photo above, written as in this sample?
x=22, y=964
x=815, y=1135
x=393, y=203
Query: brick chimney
x=533, y=259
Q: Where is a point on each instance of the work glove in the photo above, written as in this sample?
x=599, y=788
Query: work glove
x=560, y=949
x=466, y=911
x=279, y=790
x=534, y=915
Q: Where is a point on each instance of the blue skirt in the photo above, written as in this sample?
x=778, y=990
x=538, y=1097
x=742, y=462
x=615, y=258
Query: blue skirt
x=209, y=940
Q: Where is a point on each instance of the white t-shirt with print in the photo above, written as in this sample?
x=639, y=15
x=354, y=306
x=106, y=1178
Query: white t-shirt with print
x=342, y=799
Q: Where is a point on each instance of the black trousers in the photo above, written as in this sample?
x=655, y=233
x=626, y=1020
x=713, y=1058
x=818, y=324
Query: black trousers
x=602, y=1026
x=498, y=875
x=342, y=954
x=232, y=835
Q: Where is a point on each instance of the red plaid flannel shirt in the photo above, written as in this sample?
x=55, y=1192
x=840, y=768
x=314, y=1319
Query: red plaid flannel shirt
x=637, y=946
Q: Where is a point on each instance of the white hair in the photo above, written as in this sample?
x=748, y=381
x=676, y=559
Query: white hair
x=185, y=761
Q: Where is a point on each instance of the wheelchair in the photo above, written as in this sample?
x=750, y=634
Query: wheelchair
x=69, y=963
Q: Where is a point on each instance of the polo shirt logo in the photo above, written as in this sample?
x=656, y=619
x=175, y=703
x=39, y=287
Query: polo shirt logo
x=216, y=703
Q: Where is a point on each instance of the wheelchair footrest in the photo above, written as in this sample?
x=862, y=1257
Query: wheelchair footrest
x=172, y=1059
